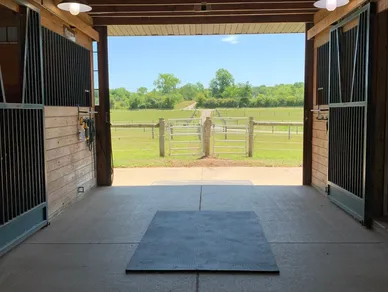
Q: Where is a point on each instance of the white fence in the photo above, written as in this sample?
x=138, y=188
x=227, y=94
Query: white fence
x=230, y=135
x=185, y=137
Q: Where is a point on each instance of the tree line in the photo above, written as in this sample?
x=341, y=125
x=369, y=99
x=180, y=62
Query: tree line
x=222, y=92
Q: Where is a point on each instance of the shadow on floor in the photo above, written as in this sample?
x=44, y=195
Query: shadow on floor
x=86, y=248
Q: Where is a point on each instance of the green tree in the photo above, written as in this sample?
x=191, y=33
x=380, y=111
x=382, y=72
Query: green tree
x=142, y=90
x=166, y=83
x=200, y=87
x=245, y=90
x=230, y=92
x=223, y=80
x=189, y=91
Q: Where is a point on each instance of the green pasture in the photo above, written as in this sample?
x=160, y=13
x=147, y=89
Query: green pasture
x=278, y=114
x=149, y=116
x=273, y=146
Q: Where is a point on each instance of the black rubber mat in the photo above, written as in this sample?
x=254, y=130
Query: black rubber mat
x=203, y=241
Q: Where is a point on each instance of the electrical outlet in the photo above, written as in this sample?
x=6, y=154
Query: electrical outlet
x=81, y=189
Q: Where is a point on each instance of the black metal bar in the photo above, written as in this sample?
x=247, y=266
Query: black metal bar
x=25, y=57
x=2, y=170
x=17, y=163
x=68, y=66
x=6, y=163
x=338, y=65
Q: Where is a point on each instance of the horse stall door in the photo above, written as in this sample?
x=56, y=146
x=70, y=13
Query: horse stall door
x=23, y=206
x=349, y=80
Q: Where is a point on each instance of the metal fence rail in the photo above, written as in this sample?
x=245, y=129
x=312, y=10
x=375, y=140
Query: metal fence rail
x=185, y=137
x=230, y=135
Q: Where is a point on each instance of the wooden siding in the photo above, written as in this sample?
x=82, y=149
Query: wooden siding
x=205, y=29
x=69, y=163
x=320, y=154
x=57, y=26
x=320, y=135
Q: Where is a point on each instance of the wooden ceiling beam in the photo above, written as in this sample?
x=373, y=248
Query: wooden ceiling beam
x=207, y=14
x=334, y=16
x=102, y=21
x=213, y=8
x=186, y=2
x=10, y=5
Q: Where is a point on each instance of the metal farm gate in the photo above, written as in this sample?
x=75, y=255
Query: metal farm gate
x=185, y=137
x=349, y=80
x=230, y=135
x=23, y=206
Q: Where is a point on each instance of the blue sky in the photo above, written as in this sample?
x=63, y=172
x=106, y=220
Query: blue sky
x=259, y=59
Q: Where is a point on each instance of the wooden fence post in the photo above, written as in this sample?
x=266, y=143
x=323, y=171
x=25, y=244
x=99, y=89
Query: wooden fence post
x=289, y=132
x=207, y=126
x=153, y=132
x=251, y=132
x=162, y=126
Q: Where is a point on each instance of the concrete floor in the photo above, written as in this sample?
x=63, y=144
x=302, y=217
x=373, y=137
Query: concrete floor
x=316, y=245
x=181, y=175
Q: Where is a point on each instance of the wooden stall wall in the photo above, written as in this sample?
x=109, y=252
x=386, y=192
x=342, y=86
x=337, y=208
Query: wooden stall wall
x=379, y=119
x=320, y=135
x=57, y=25
x=69, y=162
x=10, y=57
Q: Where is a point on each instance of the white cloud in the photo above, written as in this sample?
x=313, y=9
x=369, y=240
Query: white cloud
x=232, y=39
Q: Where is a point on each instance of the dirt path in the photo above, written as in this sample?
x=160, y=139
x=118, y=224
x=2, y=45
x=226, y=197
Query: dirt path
x=190, y=107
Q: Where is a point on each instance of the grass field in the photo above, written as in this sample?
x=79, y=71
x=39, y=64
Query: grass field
x=136, y=148
x=279, y=114
x=149, y=116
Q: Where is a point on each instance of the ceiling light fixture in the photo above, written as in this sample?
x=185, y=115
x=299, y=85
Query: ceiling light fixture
x=330, y=5
x=74, y=6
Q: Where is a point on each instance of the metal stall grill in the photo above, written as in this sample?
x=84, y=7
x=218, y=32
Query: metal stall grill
x=349, y=79
x=32, y=87
x=230, y=135
x=185, y=137
x=22, y=183
x=23, y=207
x=67, y=71
x=323, y=74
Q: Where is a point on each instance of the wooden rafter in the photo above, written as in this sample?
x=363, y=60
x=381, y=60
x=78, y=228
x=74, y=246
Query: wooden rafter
x=10, y=5
x=185, y=2
x=196, y=14
x=102, y=21
x=333, y=17
x=213, y=8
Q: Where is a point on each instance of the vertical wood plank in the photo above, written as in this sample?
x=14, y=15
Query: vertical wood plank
x=103, y=131
x=308, y=105
x=378, y=109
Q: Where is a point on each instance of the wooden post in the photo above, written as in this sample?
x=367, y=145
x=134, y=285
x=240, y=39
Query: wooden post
x=171, y=132
x=103, y=129
x=153, y=132
x=308, y=106
x=206, y=136
x=251, y=132
x=226, y=132
x=289, y=132
x=162, y=125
